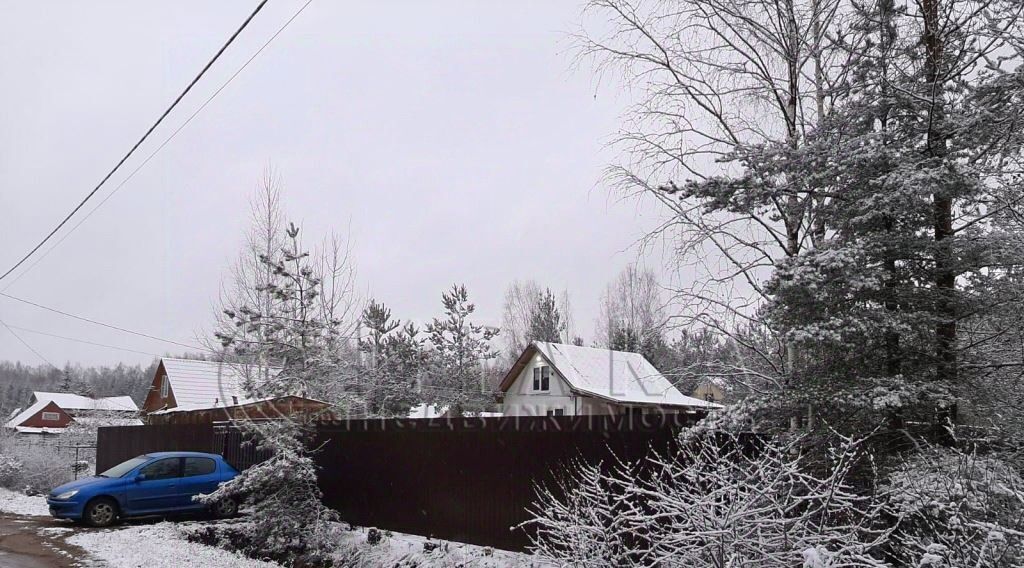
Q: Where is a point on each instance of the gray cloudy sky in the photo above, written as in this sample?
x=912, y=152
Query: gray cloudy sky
x=453, y=139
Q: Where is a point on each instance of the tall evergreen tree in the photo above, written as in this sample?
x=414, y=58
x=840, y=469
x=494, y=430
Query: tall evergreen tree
x=393, y=362
x=460, y=347
x=546, y=320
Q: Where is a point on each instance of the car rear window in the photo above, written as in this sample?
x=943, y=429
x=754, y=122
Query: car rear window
x=199, y=466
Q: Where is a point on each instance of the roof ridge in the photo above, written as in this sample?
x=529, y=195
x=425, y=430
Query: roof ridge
x=589, y=348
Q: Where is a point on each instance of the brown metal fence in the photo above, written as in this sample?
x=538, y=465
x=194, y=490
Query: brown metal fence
x=115, y=444
x=470, y=479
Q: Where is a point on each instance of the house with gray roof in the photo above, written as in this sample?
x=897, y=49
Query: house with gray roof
x=555, y=379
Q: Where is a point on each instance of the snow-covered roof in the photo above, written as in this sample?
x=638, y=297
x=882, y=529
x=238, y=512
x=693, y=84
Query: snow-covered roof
x=225, y=405
x=30, y=430
x=107, y=421
x=618, y=376
x=202, y=384
x=71, y=402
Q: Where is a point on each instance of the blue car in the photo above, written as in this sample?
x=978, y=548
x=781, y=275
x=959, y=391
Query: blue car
x=160, y=483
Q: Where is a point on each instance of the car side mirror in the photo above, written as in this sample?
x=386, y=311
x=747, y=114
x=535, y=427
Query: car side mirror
x=140, y=477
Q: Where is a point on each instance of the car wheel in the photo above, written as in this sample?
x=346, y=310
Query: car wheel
x=101, y=513
x=225, y=508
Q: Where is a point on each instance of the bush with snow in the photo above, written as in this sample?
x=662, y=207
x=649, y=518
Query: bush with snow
x=10, y=467
x=721, y=501
x=35, y=468
x=957, y=509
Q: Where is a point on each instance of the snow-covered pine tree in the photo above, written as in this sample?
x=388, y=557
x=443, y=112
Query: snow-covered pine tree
x=459, y=349
x=916, y=168
x=393, y=362
x=303, y=332
x=546, y=322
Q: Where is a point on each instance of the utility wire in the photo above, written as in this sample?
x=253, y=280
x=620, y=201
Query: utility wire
x=76, y=340
x=95, y=322
x=139, y=143
x=159, y=148
x=25, y=343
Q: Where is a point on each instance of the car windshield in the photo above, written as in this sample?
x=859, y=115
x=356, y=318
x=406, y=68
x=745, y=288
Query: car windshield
x=124, y=467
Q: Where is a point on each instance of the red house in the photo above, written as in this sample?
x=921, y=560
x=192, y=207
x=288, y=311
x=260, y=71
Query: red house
x=52, y=412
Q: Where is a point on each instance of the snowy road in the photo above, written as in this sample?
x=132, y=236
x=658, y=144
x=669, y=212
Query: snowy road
x=31, y=542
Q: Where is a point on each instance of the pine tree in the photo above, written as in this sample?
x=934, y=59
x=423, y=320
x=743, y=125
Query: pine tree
x=459, y=349
x=909, y=178
x=302, y=332
x=394, y=361
x=546, y=320
x=298, y=332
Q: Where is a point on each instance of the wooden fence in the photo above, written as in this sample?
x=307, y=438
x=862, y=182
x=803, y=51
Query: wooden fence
x=467, y=479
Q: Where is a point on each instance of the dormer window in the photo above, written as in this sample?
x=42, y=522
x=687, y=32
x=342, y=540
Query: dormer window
x=542, y=379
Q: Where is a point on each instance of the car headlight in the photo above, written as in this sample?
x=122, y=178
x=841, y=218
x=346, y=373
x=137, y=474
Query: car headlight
x=66, y=495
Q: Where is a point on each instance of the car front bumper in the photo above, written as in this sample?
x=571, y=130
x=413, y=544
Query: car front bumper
x=65, y=509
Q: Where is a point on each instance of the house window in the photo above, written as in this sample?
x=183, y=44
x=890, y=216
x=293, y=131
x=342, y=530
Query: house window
x=165, y=387
x=51, y=417
x=556, y=412
x=542, y=379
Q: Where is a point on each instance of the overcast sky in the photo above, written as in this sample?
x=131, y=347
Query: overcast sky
x=455, y=142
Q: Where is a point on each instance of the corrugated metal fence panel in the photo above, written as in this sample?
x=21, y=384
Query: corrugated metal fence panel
x=240, y=449
x=115, y=444
x=469, y=480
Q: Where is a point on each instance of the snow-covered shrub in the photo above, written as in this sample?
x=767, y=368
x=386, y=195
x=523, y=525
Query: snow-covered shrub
x=36, y=468
x=957, y=509
x=9, y=469
x=721, y=501
x=288, y=520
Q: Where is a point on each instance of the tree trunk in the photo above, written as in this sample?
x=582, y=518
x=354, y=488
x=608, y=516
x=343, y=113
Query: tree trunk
x=942, y=209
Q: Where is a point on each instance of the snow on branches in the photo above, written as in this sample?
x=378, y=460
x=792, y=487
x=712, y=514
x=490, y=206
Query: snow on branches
x=957, y=508
x=723, y=500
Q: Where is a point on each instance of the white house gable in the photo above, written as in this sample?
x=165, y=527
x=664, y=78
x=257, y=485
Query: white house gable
x=552, y=378
x=529, y=397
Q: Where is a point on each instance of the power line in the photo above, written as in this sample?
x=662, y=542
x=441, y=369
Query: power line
x=25, y=343
x=76, y=340
x=141, y=140
x=99, y=323
x=160, y=147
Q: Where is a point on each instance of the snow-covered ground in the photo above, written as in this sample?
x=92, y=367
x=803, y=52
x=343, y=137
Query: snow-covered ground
x=156, y=546
x=21, y=504
x=119, y=546
x=400, y=549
